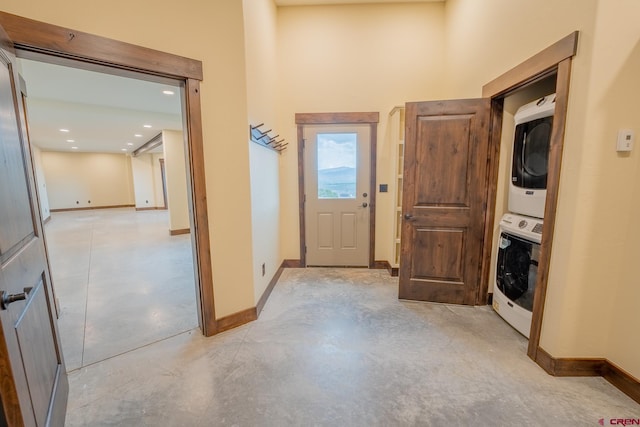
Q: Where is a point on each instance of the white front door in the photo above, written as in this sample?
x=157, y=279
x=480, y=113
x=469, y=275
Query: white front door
x=337, y=193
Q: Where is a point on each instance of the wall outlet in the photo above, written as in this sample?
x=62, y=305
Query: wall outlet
x=263, y=269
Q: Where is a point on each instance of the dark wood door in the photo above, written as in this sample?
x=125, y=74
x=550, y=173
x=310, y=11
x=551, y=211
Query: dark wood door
x=33, y=379
x=444, y=200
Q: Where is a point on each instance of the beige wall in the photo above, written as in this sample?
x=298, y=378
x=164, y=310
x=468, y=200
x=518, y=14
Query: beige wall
x=143, y=181
x=260, y=18
x=592, y=280
x=353, y=58
x=74, y=179
x=173, y=144
x=210, y=31
x=41, y=182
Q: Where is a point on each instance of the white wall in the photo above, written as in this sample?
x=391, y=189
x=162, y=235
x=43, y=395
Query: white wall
x=354, y=58
x=176, y=173
x=260, y=23
x=80, y=180
x=41, y=182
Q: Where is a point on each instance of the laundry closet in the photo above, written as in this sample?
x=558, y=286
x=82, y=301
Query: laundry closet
x=520, y=201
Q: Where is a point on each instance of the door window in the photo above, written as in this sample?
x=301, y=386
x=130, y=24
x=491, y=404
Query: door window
x=337, y=165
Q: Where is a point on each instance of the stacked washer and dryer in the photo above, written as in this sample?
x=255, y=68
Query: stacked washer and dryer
x=521, y=228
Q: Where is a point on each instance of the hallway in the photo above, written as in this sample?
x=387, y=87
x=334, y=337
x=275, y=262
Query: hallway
x=336, y=347
x=122, y=282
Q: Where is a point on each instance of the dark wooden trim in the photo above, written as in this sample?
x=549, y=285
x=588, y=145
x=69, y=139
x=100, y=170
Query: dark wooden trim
x=34, y=36
x=149, y=209
x=495, y=134
x=623, y=381
x=590, y=367
x=385, y=265
x=553, y=183
x=236, y=319
x=179, y=231
x=89, y=208
x=292, y=263
x=532, y=68
x=199, y=209
x=301, y=212
x=269, y=289
x=336, y=118
x=372, y=118
x=373, y=155
x=395, y=271
x=490, y=298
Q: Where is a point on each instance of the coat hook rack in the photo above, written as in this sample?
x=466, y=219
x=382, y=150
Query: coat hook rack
x=263, y=138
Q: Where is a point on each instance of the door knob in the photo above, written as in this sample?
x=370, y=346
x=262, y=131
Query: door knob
x=365, y=204
x=408, y=216
x=6, y=298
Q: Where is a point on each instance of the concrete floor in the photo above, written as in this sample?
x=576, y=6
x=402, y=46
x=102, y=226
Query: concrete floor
x=121, y=280
x=336, y=347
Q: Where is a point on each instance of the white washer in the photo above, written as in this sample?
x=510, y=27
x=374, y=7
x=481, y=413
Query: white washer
x=516, y=269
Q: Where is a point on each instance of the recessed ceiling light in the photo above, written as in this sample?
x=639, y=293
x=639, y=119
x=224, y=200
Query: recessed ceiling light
x=64, y=130
x=147, y=126
x=137, y=135
x=129, y=143
x=168, y=92
x=123, y=149
x=71, y=140
x=74, y=148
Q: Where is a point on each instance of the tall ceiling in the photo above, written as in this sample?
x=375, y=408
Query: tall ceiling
x=102, y=112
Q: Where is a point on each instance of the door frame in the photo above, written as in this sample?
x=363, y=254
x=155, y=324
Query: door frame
x=554, y=60
x=306, y=119
x=38, y=40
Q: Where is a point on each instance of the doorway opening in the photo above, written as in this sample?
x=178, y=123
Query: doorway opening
x=51, y=43
x=336, y=188
x=119, y=261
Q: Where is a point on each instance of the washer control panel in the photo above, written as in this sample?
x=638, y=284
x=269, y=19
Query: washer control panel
x=524, y=226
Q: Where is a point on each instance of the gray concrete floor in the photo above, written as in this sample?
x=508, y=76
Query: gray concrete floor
x=121, y=280
x=336, y=347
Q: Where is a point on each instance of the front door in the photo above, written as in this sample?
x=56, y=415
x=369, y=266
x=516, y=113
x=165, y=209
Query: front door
x=337, y=193
x=33, y=384
x=444, y=200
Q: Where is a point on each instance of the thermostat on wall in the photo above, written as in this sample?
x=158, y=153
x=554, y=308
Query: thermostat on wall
x=625, y=140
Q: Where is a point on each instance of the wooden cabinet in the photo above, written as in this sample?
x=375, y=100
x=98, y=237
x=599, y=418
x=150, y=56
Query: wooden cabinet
x=396, y=123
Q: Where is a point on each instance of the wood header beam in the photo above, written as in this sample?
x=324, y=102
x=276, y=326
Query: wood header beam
x=336, y=118
x=531, y=69
x=35, y=36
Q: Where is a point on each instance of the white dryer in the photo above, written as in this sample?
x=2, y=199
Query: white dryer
x=530, y=159
x=517, y=267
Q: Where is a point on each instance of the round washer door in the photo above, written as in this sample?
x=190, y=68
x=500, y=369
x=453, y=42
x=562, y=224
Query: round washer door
x=514, y=260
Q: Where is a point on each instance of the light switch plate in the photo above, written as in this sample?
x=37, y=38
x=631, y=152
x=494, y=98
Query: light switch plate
x=626, y=138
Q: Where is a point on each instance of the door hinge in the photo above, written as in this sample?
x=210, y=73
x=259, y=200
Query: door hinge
x=303, y=142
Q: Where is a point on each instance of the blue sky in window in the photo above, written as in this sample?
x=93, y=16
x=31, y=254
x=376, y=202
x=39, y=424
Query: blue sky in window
x=336, y=150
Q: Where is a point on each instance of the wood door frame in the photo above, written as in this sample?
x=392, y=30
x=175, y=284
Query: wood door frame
x=556, y=59
x=35, y=39
x=306, y=119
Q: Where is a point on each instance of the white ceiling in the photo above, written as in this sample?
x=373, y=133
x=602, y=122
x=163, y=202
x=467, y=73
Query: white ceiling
x=318, y=2
x=102, y=112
